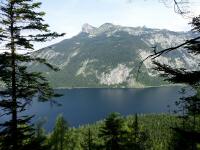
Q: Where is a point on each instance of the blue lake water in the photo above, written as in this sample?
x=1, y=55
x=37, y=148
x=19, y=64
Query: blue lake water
x=84, y=106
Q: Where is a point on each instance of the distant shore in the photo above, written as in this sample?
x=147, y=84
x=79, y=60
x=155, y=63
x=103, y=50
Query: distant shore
x=143, y=87
x=168, y=85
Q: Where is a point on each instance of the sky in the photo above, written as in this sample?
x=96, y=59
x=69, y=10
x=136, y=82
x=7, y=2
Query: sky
x=68, y=16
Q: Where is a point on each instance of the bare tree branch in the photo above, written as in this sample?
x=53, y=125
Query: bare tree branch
x=157, y=54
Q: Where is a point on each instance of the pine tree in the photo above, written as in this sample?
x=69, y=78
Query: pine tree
x=21, y=24
x=135, y=138
x=40, y=135
x=112, y=131
x=58, y=136
x=88, y=144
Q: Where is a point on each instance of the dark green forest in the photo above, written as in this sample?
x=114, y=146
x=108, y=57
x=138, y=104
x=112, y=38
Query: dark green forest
x=177, y=131
x=147, y=132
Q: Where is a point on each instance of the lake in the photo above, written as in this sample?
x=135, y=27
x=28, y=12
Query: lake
x=85, y=106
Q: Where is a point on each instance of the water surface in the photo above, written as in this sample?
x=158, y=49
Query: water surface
x=84, y=106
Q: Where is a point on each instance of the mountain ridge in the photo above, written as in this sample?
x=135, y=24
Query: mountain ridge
x=109, y=55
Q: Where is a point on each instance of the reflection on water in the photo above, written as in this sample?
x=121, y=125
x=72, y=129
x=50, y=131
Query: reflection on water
x=83, y=106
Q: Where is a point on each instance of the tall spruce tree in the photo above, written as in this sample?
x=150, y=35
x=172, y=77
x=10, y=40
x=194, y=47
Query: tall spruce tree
x=21, y=24
x=112, y=132
x=135, y=138
x=88, y=142
x=58, y=136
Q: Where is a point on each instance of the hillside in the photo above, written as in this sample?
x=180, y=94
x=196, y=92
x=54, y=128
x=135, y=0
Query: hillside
x=108, y=56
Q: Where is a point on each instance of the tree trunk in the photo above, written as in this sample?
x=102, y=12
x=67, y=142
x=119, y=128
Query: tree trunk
x=14, y=133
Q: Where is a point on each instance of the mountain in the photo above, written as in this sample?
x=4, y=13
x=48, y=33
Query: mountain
x=108, y=56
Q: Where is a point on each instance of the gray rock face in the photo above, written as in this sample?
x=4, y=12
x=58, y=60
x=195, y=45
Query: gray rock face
x=86, y=28
x=108, y=56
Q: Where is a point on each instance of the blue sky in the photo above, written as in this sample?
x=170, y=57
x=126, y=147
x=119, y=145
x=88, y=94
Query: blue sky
x=69, y=15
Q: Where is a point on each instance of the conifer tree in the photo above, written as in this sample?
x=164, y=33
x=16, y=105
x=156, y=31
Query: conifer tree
x=88, y=143
x=112, y=132
x=189, y=134
x=58, y=135
x=135, y=138
x=21, y=24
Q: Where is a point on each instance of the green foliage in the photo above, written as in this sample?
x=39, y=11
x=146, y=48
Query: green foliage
x=89, y=141
x=135, y=138
x=149, y=132
x=17, y=18
x=58, y=136
x=112, y=132
x=189, y=106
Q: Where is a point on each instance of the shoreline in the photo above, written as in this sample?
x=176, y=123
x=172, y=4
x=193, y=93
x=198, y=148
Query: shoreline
x=145, y=87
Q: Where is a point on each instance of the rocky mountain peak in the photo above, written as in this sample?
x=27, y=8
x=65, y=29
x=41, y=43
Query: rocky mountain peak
x=108, y=55
x=107, y=25
x=87, y=28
